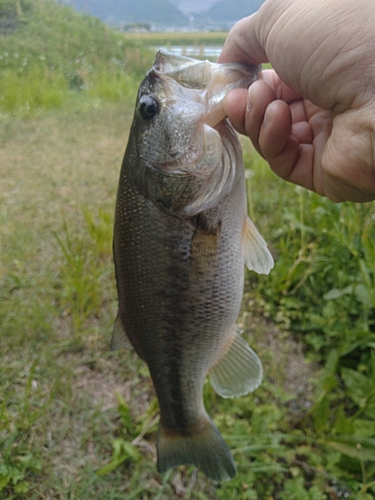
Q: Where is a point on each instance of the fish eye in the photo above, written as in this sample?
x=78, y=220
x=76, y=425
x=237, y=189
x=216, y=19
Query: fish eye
x=149, y=107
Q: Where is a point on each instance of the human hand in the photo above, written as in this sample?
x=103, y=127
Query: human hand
x=313, y=116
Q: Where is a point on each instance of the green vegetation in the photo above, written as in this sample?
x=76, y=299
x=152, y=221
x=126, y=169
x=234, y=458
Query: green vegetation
x=186, y=38
x=79, y=422
x=50, y=56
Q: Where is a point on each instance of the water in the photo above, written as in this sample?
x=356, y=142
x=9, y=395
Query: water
x=195, y=50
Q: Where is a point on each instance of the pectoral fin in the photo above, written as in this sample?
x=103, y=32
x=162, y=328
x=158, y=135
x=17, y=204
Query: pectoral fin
x=239, y=371
x=257, y=256
x=119, y=338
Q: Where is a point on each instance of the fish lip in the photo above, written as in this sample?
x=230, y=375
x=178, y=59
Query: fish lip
x=162, y=65
x=170, y=169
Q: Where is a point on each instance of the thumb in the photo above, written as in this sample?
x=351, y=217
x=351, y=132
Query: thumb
x=242, y=44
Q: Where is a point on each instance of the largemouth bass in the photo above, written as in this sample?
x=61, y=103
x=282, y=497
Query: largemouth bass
x=181, y=239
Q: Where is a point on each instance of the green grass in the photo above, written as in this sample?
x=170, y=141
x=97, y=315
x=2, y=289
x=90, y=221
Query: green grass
x=50, y=55
x=78, y=421
x=52, y=334
x=176, y=38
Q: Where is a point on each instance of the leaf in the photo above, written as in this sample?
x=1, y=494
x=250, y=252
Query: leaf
x=365, y=339
x=365, y=273
x=321, y=415
x=362, y=449
x=124, y=412
x=336, y=293
x=370, y=407
x=363, y=428
x=111, y=466
x=330, y=368
x=22, y=487
x=358, y=386
x=364, y=295
x=4, y=480
x=373, y=365
x=329, y=383
x=328, y=379
x=343, y=425
x=122, y=450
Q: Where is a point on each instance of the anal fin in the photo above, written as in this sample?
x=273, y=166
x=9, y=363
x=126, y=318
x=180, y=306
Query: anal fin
x=257, y=256
x=239, y=371
x=119, y=338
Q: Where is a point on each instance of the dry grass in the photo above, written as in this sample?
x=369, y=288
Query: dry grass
x=61, y=384
x=208, y=38
x=60, y=381
x=61, y=162
x=52, y=168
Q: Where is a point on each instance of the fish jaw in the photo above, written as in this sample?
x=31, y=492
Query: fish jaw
x=213, y=80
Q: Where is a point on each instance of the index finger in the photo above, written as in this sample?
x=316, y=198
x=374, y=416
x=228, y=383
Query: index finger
x=282, y=91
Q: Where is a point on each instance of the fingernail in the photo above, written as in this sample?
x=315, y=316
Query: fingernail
x=269, y=113
x=249, y=102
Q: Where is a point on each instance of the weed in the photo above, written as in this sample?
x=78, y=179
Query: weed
x=168, y=39
x=85, y=267
x=82, y=56
x=17, y=417
x=306, y=433
x=321, y=290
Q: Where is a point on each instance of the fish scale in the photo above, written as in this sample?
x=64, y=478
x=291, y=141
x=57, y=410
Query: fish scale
x=179, y=251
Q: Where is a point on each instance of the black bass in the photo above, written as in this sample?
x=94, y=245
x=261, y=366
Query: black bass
x=181, y=239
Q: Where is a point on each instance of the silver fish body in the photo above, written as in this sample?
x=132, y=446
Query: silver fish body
x=181, y=238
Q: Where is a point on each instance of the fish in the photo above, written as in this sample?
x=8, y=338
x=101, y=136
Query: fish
x=181, y=239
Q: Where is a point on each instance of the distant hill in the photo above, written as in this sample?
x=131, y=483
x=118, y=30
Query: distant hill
x=227, y=10
x=166, y=13
x=159, y=12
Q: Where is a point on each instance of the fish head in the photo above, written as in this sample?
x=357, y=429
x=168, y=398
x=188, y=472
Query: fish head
x=184, y=163
x=167, y=116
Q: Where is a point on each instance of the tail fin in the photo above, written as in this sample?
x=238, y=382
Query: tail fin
x=205, y=449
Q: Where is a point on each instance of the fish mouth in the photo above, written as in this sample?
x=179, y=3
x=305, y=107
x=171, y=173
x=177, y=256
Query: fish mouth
x=196, y=74
x=203, y=82
x=172, y=169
